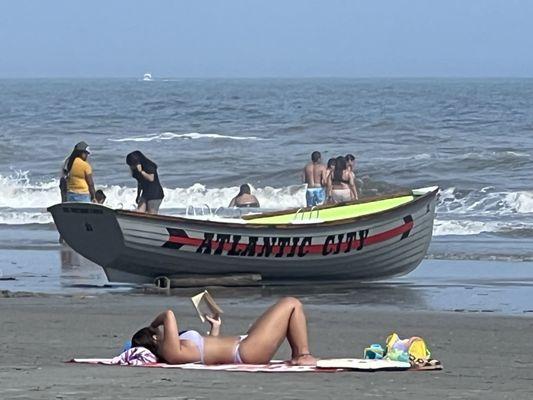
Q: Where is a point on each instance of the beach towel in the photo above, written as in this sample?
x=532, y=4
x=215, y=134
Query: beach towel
x=141, y=357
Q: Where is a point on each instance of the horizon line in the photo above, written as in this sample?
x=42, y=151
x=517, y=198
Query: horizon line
x=277, y=77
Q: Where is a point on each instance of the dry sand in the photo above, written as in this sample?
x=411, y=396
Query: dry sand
x=485, y=356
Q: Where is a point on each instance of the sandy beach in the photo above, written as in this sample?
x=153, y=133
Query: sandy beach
x=484, y=355
x=289, y=148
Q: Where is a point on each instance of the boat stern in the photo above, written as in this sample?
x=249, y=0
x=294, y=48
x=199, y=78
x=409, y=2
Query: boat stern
x=90, y=229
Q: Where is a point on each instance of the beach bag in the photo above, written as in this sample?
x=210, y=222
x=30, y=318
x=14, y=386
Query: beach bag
x=414, y=348
x=374, y=352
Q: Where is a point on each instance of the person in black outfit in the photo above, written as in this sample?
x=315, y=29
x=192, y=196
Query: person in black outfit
x=149, y=189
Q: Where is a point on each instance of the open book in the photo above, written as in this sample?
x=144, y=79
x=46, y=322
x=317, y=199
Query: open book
x=205, y=305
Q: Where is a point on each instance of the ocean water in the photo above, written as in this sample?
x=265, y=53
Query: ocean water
x=471, y=137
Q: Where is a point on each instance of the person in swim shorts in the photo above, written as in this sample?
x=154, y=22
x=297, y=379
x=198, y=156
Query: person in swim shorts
x=314, y=175
x=284, y=320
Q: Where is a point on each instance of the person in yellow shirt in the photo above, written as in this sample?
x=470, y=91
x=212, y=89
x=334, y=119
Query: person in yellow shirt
x=80, y=185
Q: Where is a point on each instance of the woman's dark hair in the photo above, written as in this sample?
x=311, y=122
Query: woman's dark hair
x=245, y=189
x=136, y=157
x=340, y=166
x=75, y=154
x=349, y=157
x=332, y=162
x=144, y=338
x=133, y=158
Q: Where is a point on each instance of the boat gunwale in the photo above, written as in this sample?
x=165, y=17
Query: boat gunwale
x=169, y=218
x=371, y=199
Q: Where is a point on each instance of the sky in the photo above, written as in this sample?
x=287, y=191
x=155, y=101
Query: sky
x=270, y=38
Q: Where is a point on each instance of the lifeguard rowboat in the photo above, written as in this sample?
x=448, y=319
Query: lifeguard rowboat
x=365, y=240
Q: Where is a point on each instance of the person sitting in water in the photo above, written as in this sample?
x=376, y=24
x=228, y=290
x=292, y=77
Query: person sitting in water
x=341, y=183
x=284, y=320
x=245, y=198
x=314, y=175
x=149, y=190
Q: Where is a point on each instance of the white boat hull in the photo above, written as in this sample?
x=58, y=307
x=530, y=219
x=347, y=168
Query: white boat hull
x=135, y=247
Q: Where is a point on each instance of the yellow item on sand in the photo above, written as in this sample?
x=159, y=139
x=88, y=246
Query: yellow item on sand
x=418, y=349
x=415, y=346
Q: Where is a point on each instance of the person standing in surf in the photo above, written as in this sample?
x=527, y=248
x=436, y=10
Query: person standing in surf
x=341, y=183
x=78, y=176
x=350, y=162
x=314, y=175
x=149, y=190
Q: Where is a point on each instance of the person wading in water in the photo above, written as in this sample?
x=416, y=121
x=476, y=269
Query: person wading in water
x=315, y=176
x=77, y=183
x=149, y=190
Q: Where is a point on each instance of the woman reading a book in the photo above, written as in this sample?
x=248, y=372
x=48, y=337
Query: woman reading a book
x=285, y=319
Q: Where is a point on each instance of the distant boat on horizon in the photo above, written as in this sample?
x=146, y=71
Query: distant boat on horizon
x=147, y=77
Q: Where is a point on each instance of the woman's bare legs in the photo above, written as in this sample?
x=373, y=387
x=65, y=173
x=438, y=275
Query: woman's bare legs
x=141, y=207
x=285, y=319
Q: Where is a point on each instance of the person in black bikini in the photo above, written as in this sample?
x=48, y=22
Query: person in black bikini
x=341, y=184
x=244, y=198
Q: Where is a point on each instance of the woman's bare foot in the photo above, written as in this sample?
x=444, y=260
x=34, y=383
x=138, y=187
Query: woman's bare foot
x=304, y=359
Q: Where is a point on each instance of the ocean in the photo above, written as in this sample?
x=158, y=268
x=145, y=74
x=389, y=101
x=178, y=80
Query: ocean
x=471, y=137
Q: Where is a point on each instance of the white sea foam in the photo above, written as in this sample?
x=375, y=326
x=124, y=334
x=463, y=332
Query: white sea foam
x=23, y=201
x=24, y=217
x=486, y=201
x=172, y=135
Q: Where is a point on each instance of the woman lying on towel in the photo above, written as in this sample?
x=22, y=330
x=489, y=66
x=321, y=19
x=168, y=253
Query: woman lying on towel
x=285, y=319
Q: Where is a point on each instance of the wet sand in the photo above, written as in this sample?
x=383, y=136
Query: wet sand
x=484, y=355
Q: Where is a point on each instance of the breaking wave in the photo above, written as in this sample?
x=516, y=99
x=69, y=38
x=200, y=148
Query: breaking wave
x=459, y=212
x=172, y=135
x=462, y=212
x=24, y=202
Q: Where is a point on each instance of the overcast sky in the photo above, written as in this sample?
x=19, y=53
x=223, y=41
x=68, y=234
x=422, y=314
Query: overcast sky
x=270, y=38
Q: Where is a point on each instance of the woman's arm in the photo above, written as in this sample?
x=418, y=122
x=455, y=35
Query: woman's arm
x=329, y=184
x=215, y=325
x=147, y=176
x=353, y=189
x=159, y=320
x=90, y=183
x=144, y=174
x=172, y=349
x=232, y=203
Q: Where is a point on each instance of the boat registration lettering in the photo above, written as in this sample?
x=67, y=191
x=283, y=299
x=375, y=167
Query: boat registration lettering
x=231, y=245
x=284, y=246
x=334, y=244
